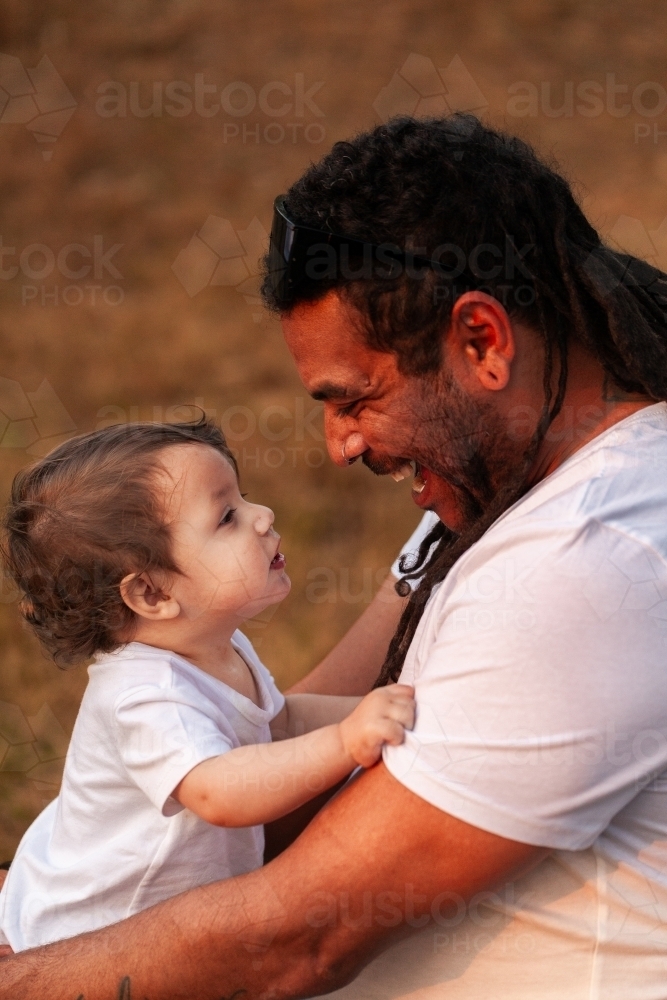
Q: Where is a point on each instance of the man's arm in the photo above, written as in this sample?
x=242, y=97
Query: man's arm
x=353, y=665
x=302, y=713
x=256, y=937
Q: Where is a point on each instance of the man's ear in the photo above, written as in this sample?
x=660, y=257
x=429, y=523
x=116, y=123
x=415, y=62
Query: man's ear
x=481, y=339
x=144, y=595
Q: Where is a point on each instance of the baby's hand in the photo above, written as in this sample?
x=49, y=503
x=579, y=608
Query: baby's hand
x=382, y=717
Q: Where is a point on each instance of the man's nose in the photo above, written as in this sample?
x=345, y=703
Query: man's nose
x=345, y=443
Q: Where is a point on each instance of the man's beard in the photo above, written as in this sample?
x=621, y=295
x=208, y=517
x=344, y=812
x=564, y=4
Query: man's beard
x=465, y=443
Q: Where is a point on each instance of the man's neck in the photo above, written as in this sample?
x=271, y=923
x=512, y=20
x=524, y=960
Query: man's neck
x=592, y=405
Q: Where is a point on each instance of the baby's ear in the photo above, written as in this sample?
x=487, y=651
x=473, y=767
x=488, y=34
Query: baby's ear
x=147, y=597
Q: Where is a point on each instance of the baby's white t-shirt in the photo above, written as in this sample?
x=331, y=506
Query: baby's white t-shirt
x=114, y=841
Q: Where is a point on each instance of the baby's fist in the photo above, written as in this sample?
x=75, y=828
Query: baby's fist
x=382, y=717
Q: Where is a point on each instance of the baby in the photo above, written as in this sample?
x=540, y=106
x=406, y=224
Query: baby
x=133, y=546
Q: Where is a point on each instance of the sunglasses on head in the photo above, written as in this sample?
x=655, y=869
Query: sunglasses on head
x=301, y=258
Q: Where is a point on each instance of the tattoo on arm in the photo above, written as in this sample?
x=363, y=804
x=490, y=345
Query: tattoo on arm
x=124, y=991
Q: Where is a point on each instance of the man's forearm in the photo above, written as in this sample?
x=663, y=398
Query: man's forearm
x=262, y=936
x=306, y=712
x=236, y=939
x=353, y=665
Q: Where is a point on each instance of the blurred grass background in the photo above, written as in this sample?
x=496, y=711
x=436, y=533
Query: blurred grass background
x=139, y=345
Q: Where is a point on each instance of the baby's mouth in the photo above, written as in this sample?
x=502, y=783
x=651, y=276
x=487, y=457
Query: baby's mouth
x=410, y=469
x=278, y=561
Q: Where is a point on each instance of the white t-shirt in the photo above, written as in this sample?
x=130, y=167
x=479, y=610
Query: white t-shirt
x=540, y=668
x=114, y=841
x=411, y=547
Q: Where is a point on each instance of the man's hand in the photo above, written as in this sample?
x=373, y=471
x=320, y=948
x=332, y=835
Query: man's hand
x=382, y=717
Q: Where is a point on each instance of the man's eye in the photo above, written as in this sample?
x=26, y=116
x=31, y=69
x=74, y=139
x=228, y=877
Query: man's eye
x=228, y=516
x=348, y=409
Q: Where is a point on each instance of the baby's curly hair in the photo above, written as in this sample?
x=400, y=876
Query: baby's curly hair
x=84, y=517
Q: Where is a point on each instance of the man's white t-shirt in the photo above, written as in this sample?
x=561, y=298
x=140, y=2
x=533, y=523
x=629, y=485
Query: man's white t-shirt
x=540, y=668
x=114, y=841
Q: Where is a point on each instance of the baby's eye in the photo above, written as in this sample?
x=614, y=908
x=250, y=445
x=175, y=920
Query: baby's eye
x=228, y=516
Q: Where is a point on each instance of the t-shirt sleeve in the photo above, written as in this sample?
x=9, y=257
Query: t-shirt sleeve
x=162, y=734
x=411, y=547
x=540, y=686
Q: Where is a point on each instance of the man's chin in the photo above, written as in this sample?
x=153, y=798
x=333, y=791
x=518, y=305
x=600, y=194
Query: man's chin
x=447, y=509
x=455, y=510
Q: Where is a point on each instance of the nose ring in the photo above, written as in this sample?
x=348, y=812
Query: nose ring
x=345, y=458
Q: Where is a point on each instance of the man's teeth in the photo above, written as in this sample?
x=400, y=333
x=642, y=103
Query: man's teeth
x=406, y=470
x=418, y=484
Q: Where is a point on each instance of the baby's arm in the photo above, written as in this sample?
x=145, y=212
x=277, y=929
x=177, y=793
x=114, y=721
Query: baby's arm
x=262, y=782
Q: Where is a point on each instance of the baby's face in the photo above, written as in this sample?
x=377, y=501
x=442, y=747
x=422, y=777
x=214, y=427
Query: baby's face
x=225, y=547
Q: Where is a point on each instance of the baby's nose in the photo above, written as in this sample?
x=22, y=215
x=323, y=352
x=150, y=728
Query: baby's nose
x=265, y=519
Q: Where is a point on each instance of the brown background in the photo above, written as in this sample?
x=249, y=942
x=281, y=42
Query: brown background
x=150, y=182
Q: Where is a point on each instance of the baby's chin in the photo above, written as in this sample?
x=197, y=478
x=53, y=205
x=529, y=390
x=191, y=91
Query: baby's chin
x=279, y=591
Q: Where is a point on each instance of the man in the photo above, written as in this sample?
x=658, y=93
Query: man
x=443, y=294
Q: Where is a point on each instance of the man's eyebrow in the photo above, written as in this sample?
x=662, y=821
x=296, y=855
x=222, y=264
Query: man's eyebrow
x=332, y=390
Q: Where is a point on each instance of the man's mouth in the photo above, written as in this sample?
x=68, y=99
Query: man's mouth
x=415, y=470
x=419, y=482
x=406, y=470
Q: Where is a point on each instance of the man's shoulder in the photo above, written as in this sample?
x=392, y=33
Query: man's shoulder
x=616, y=485
x=597, y=528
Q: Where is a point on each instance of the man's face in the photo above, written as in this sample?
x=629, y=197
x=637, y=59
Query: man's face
x=390, y=419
